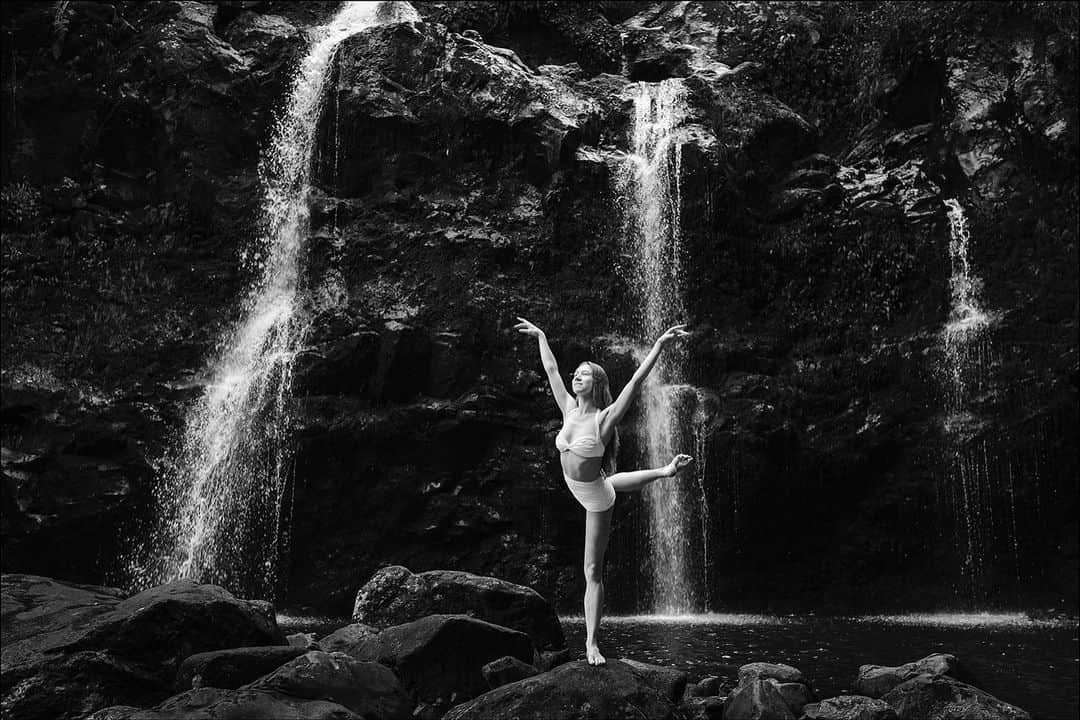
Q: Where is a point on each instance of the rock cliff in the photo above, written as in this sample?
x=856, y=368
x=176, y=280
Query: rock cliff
x=465, y=176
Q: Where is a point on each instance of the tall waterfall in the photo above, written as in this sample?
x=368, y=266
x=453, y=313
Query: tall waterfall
x=970, y=459
x=222, y=505
x=648, y=183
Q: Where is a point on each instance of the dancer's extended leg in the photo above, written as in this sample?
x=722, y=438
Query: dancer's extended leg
x=597, y=530
x=639, y=479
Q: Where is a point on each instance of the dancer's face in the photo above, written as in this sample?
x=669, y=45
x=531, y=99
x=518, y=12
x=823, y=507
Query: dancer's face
x=583, y=380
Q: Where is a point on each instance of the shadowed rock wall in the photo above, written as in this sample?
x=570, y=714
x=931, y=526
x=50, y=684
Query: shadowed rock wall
x=465, y=179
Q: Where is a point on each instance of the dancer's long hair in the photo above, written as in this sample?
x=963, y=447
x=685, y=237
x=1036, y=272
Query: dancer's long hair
x=601, y=397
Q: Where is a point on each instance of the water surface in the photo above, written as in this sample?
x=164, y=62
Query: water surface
x=1032, y=664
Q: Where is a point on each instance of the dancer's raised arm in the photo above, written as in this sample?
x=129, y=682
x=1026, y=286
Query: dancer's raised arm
x=551, y=367
x=626, y=397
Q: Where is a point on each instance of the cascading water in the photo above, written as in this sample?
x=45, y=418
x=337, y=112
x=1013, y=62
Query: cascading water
x=221, y=498
x=967, y=345
x=648, y=183
x=968, y=356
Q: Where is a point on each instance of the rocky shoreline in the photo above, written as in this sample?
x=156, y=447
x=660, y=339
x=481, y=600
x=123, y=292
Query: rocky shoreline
x=438, y=644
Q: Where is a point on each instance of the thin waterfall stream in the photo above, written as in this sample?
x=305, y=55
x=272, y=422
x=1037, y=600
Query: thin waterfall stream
x=648, y=183
x=222, y=508
x=972, y=472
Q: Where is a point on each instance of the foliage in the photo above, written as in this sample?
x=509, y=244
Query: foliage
x=21, y=204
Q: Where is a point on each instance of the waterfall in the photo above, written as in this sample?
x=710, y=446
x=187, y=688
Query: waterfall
x=648, y=185
x=967, y=344
x=971, y=471
x=221, y=499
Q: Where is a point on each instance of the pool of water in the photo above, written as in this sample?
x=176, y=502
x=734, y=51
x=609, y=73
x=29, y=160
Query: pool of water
x=1033, y=664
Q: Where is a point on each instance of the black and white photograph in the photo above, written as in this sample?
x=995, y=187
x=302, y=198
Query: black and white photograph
x=540, y=360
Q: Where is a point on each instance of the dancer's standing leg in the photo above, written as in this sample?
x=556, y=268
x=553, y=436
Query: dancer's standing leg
x=597, y=531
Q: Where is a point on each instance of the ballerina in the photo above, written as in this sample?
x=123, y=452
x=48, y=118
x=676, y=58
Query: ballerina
x=588, y=444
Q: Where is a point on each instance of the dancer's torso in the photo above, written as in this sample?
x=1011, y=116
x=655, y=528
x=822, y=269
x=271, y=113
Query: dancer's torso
x=581, y=451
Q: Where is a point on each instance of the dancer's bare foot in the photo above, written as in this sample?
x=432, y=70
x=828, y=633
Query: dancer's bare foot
x=592, y=654
x=677, y=463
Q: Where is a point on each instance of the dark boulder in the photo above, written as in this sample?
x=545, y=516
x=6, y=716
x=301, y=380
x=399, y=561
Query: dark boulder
x=161, y=626
x=39, y=607
x=314, y=686
x=941, y=697
x=303, y=640
x=757, y=700
x=347, y=638
x=69, y=650
x=229, y=669
x=394, y=595
x=439, y=657
x=705, y=687
x=366, y=688
x=768, y=690
x=796, y=695
x=667, y=681
x=766, y=671
x=506, y=670
x=72, y=685
x=551, y=659
x=709, y=707
x=876, y=680
x=576, y=691
x=218, y=704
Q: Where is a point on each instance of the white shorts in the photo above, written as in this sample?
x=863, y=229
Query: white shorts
x=595, y=496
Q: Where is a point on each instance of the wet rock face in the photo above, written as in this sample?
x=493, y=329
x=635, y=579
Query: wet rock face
x=78, y=480
x=545, y=33
x=451, y=93
x=1002, y=106
x=465, y=167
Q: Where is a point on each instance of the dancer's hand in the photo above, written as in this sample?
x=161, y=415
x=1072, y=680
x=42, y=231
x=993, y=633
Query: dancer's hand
x=676, y=331
x=527, y=328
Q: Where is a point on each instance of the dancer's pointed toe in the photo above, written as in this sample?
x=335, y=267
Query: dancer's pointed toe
x=677, y=464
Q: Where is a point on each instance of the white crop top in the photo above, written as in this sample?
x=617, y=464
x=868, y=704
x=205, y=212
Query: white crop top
x=575, y=434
